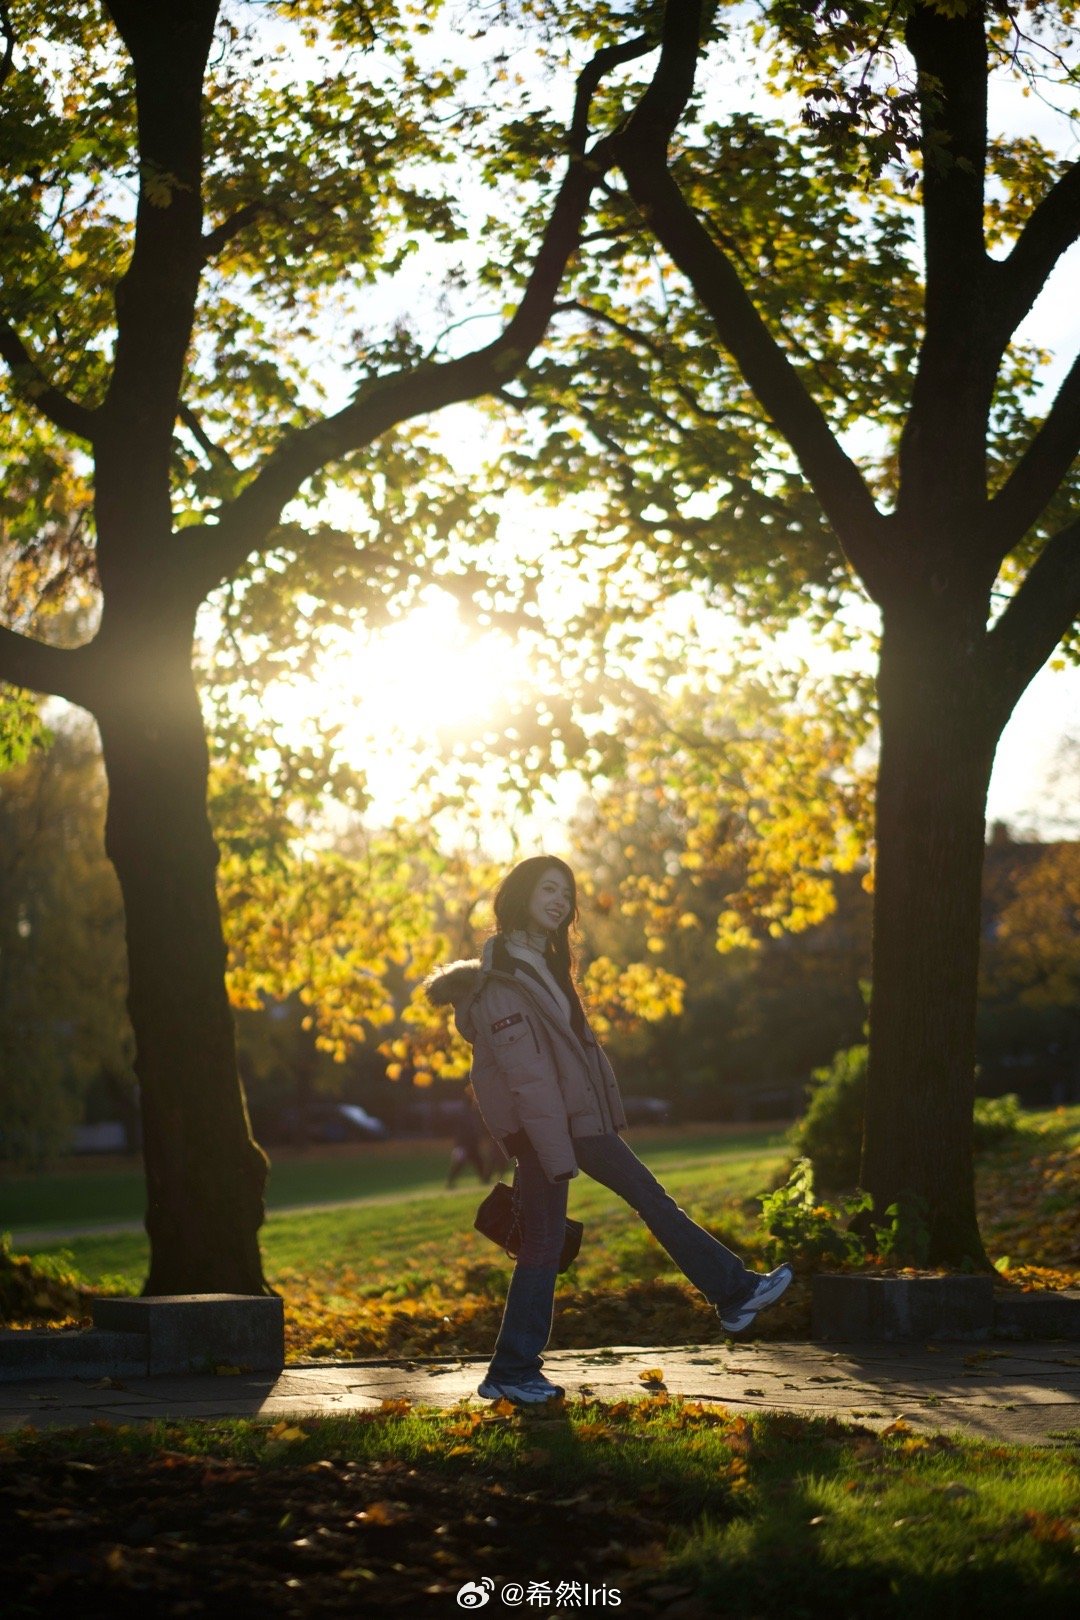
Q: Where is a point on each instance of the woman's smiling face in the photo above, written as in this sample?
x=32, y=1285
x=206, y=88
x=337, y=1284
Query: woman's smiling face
x=551, y=901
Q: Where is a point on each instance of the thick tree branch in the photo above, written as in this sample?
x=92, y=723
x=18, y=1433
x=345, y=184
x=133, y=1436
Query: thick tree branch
x=155, y=298
x=589, y=79
x=7, y=31
x=214, y=241
x=54, y=671
x=834, y=477
x=1036, y=478
x=1040, y=613
x=657, y=115
x=1052, y=228
x=951, y=58
x=943, y=450
x=216, y=551
x=66, y=414
x=214, y=452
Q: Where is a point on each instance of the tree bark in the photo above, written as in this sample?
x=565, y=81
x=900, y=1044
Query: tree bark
x=937, y=750
x=205, y=1175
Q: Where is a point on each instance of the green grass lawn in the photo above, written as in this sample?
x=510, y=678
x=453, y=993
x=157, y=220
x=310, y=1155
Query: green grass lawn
x=412, y=1276
x=85, y=1194
x=408, y=1275
x=705, y=1163
x=679, y=1508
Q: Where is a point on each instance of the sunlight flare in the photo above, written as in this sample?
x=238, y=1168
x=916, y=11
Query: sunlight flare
x=426, y=674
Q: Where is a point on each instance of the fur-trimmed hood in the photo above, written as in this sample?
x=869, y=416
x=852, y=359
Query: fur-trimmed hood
x=452, y=983
x=455, y=985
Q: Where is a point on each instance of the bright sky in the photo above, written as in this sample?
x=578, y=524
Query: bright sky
x=1022, y=790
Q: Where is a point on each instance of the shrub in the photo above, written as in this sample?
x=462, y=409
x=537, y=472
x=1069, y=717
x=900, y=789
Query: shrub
x=830, y=1132
x=803, y=1227
x=43, y=1289
x=996, y=1118
x=799, y=1226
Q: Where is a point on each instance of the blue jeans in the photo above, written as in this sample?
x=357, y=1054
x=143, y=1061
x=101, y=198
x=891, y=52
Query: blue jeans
x=530, y=1300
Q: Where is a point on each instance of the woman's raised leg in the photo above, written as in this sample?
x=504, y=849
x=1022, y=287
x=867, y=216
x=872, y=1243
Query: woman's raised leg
x=703, y=1259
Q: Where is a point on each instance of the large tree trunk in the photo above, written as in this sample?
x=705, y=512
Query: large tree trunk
x=937, y=750
x=205, y=1175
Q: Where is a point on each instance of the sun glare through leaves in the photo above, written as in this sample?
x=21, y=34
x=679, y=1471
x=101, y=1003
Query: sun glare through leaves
x=400, y=692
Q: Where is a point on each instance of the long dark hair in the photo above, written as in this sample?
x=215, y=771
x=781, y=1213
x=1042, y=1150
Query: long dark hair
x=512, y=911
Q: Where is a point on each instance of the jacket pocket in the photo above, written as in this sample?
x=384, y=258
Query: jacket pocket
x=504, y=1038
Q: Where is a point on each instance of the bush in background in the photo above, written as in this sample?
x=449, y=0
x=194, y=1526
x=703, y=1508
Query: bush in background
x=997, y=1118
x=830, y=1132
x=43, y=1289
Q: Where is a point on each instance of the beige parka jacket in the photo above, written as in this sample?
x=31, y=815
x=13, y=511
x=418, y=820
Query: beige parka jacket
x=530, y=1071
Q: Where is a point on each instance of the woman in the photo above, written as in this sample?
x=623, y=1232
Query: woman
x=548, y=1094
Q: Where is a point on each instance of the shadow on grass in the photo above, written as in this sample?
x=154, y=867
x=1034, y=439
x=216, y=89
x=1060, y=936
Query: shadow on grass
x=683, y=1509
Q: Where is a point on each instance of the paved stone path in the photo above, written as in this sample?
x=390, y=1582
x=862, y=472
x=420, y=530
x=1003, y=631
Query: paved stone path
x=1027, y=1393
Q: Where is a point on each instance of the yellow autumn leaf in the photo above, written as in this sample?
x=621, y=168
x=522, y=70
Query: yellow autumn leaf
x=286, y=1433
x=383, y=1513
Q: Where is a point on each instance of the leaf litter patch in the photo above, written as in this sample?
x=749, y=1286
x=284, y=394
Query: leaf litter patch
x=175, y=1533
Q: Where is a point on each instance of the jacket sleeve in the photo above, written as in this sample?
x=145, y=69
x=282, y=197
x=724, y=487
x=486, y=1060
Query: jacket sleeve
x=524, y=1059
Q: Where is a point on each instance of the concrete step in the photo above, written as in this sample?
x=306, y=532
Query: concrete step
x=195, y=1332
x=175, y=1333
x=27, y=1353
x=1040, y=1315
x=866, y=1308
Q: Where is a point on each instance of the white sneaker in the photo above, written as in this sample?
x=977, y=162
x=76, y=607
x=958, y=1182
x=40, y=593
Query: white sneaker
x=767, y=1292
x=532, y=1391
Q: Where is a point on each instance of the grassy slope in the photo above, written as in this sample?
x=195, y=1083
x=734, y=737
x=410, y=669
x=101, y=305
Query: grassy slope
x=732, y=1164
x=84, y=1193
x=413, y=1277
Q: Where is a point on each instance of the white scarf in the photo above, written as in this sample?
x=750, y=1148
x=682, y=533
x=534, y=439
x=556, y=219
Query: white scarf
x=528, y=946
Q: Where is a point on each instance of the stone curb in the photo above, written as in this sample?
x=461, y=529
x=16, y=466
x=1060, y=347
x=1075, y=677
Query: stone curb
x=150, y=1335
x=855, y=1307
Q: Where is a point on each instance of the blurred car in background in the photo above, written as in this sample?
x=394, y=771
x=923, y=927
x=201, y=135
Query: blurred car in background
x=327, y=1122
x=647, y=1110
